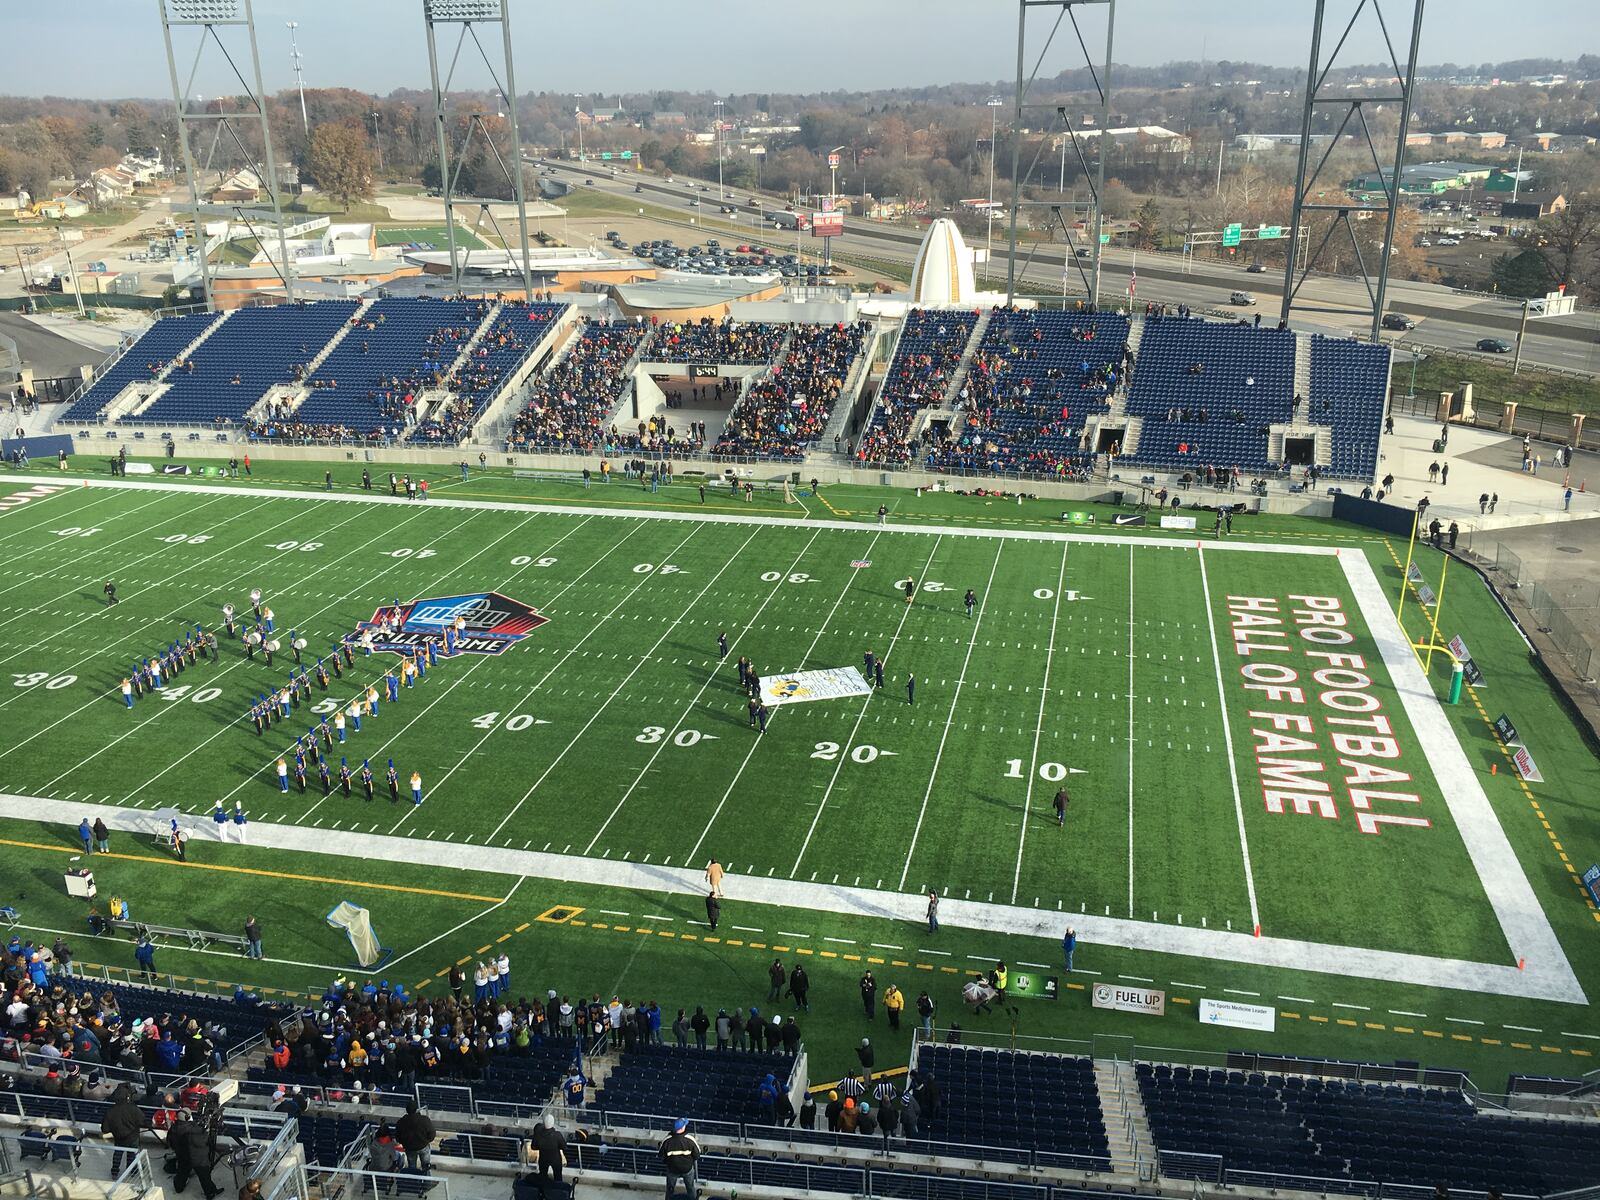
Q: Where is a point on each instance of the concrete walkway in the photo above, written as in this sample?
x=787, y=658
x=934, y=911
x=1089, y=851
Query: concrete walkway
x=1481, y=461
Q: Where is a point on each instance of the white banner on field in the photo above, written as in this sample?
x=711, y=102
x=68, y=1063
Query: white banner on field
x=796, y=687
x=1239, y=1016
x=1177, y=522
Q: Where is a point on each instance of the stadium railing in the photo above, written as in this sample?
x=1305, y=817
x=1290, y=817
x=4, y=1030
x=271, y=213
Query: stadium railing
x=94, y=1167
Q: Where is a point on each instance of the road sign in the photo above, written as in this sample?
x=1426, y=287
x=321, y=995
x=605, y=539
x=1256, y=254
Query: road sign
x=1266, y=233
x=1105, y=239
x=833, y=161
x=1230, y=235
x=627, y=154
x=605, y=156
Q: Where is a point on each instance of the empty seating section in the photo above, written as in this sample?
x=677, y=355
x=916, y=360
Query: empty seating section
x=705, y=1085
x=395, y=349
x=1035, y=378
x=930, y=349
x=156, y=347
x=514, y=334
x=1379, y=1133
x=1044, y=1102
x=252, y=350
x=1208, y=392
x=1349, y=384
x=569, y=405
x=733, y=343
x=779, y=418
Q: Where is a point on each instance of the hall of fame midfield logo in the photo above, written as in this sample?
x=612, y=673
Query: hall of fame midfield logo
x=479, y=623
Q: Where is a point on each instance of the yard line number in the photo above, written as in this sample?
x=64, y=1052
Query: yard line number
x=515, y=723
x=173, y=694
x=35, y=678
x=76, y=531
x=189, y=539
x=527, y=560
x=651, y=734
x=795, y=577
x=647, y=568
x=303, y=546
x=411, y=552
x=1050, y=772
x=829, y=752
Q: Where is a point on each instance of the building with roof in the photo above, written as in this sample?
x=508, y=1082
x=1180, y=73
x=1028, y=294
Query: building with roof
x=1157, y=137
x=682, y=297
x=1530, y=206
x=1423, y=179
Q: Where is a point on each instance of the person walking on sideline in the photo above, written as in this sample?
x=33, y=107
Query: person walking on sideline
x=714, y=877
x=776, y=976
x=911, y=688
x=252, y=938
x=111, y=593
x=933, y=911
x=869, y=996
x=713, y=909
x=102, y=836
x=1069, y=944
x=1061, y=802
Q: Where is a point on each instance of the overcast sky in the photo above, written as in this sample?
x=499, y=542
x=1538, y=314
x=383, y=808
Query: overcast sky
x=111, y=48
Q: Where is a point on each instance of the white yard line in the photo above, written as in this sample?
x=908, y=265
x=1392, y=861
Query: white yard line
x=104, y=650
x=1130, y=733
x=666, y=739
x=1038, y=727
x=821, y=629
x=1227, y=737
x=844, y=752
x=955, y=699
x=529, y=694
x=642, y=659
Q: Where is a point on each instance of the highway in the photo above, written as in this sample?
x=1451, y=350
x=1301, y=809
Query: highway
x=1446, y=319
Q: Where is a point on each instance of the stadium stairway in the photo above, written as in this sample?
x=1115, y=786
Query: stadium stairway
x=494, y=422
x=1127, y=1125
x=141, y=395
x=839, y=423
x=333, y=342
x=430, y=398
x=958, y=377
x=1302, y=367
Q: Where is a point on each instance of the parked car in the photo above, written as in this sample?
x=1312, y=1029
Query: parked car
x=1244, y=298
x=1494, y=345
x=1398, y=321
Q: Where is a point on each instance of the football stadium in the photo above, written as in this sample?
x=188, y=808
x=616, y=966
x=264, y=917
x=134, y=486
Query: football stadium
x=924, y=743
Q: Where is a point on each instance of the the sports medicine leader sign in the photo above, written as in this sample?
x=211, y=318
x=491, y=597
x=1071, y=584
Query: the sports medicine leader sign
x=1239, y=1016
x=1125, y=999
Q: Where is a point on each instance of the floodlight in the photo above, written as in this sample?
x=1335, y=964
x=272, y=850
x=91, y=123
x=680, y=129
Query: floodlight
x=461, y=10
x=204, y=10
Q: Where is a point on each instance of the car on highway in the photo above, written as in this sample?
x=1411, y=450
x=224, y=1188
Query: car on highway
x=1244, y=298
x=638, y=187
x=1256, y=269
x=1085, y=252
x=588, y=183
x=695, y=202
x=1398, y=321
x=1494, y=345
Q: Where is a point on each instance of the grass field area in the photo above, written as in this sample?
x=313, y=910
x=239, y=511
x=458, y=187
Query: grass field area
x=1219, y=841
x=1530, y=387
x=435, y=237
x=326, y=206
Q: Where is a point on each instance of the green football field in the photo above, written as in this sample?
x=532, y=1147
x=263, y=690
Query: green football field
x=1243, y=732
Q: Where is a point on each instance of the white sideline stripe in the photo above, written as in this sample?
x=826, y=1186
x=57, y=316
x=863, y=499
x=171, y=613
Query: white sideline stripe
x=1026, y=535
x=1354, y=1007
x=462, y=925
x=1523, y=1028
x=1463, y=1021
x=1393, y=1012
x=1036, y=966
x=950, y=719
x=1038, y=727
x=1592, y=1037
x=1240, y=992
x=1548, y=974
x=1522, y=919
x=1308, y=1000
x=1130, y=746
x=1227, y=736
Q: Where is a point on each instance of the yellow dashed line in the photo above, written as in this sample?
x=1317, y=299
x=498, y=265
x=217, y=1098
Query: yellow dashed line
x=734, y=942
x=1521, y=1046
x=1346, y=1021
x=1491, y=1041
x=1404, y=1029
x=1432, y=1033
x=1375, y=1025
x=1290, y=1016
x=1551, y=1049
x=1319, y=1020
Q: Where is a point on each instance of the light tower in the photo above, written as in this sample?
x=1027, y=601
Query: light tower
x=468, y=14
x=299, y=74
x=245, y=130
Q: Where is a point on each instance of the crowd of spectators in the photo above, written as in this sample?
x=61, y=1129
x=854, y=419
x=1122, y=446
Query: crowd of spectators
x=569, y=405
x=1023, y=410
x=779, y=417
x=66, y=1032
x=656, y=437
x=931, y=346
x=516, y=330
x=748, y=343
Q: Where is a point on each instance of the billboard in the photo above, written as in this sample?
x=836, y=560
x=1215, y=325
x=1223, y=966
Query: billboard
x=1238, y=1016
x=827, y=224
x=1149, y=1001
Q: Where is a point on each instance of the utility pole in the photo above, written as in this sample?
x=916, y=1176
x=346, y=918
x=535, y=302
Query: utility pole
x=1517, y=178
x=994, y=103
x=717, y=104
x=376, y=140
x=299, y=74
x=577, y=119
